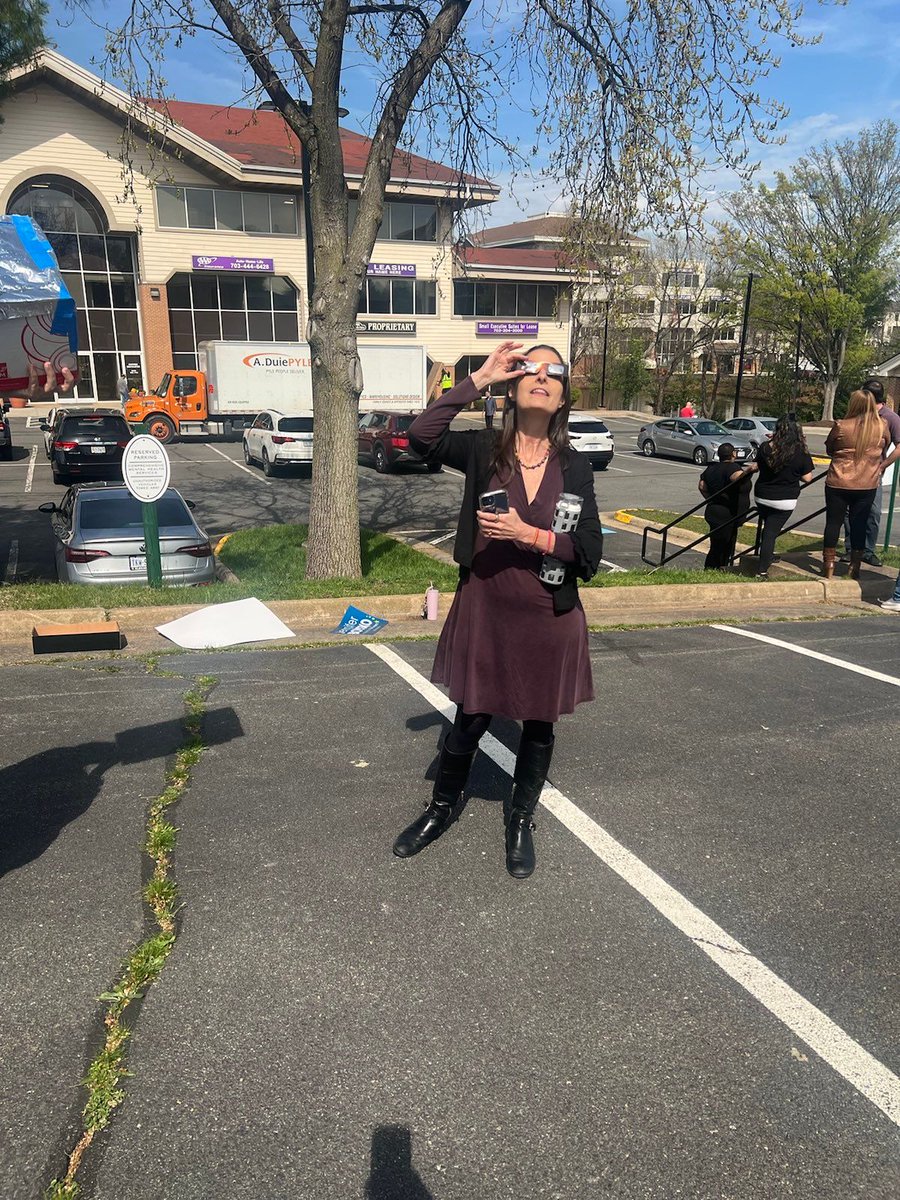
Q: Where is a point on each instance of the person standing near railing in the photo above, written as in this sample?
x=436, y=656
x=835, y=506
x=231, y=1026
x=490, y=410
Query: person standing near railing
x=856, y=445
x=873, y=522
x=783, y=463
x=724, y=511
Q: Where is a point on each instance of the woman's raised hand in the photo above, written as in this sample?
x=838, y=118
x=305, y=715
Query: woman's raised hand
x=502, y=364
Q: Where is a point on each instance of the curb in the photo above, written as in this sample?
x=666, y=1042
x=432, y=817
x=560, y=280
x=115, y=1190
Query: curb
x=600, y=604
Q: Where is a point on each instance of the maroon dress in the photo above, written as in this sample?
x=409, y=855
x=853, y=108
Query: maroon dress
x=503, y=649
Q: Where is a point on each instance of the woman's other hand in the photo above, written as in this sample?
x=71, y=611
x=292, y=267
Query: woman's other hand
x=504, y=526
x=500, y=366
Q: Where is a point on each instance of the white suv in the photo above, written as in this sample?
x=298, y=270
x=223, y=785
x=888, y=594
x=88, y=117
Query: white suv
x=592, y=437
x=275, y=440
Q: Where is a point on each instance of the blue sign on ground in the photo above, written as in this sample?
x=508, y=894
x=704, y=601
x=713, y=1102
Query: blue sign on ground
x=355, y=621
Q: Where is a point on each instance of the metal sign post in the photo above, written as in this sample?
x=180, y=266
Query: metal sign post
x=146, y=470
x=890, y=518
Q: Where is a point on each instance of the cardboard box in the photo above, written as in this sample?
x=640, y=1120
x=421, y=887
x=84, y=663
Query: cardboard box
x=66, y=639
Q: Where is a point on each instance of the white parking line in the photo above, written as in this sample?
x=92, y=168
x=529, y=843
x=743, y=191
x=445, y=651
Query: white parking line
x=861, y=1069
x=240, y=466
x=12, y=563
x=445, y=537
x=825, y=658
x=613, y=567
x=29, y=478
x=621, y=470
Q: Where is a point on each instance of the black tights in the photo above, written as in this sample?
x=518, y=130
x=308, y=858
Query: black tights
x=468, y=728
x=857, y=505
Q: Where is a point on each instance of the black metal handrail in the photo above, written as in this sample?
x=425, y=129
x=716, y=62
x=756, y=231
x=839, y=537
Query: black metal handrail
x=741, y=519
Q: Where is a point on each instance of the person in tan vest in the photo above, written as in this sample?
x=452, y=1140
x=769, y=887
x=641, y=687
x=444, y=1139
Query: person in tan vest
x=856, y=445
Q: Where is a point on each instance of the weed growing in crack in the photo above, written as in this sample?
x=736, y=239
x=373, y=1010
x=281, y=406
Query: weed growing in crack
x=145, y=962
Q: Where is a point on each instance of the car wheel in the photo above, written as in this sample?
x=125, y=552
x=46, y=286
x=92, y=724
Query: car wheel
x=268, y=469
x=248, y=457
x=701, y=458
x=648, y=449
x=435, y=468
x=601, y=466
x=161, y=428
x=62, y=477
x=382, y=466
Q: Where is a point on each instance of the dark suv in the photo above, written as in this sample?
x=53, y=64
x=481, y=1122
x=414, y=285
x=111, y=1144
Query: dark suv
x=87, y=444
x=384, y=438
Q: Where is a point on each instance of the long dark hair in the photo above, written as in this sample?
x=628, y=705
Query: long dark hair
x=504, y=460
x=786, y=441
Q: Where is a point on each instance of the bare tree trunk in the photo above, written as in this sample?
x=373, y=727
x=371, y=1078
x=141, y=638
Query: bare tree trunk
x=831, y=387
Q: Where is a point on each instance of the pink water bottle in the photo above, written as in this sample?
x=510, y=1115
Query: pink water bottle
x=431, y=603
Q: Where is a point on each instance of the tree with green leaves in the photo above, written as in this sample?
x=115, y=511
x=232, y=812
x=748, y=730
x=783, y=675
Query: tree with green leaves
x=21, y=34
x=628, y=372
x=823, y=243
x=628, y=103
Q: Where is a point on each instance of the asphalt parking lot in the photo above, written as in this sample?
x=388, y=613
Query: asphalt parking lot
x=694, y=996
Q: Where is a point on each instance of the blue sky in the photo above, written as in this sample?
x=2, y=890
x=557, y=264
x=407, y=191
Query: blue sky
x=833, y=90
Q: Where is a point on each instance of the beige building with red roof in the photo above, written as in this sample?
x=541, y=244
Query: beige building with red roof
x=201, y=237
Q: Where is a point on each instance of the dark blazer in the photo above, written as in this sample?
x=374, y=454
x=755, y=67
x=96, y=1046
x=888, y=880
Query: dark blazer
x=470, y=451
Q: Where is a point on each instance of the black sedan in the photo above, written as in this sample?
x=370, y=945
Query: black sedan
x=87, y=445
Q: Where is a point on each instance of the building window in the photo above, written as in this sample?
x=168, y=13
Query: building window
x=478, y=298
x=403, y=222
x=681, y=279
x=98, y=269
x=399, y=296
x=214, y=208
x=640, y=307
x=211, y=307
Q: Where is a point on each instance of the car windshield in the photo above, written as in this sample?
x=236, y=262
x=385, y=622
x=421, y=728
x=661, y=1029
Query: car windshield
x=88, y=426
x=124, y=512
x=710, y=428
x=295, y=425
x=587, y=427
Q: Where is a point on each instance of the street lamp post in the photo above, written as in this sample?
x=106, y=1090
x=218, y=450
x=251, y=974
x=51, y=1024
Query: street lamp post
x=740, y=376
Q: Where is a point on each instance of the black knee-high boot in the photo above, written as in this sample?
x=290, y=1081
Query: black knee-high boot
x=452, y=774
x=532, y=765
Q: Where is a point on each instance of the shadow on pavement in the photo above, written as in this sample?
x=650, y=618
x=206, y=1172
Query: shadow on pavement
x=40, y=795
x=392, y=1175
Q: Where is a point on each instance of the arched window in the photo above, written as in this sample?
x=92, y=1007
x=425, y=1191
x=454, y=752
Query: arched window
x=58, y=205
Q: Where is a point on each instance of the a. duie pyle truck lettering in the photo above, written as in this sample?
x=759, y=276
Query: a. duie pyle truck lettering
x=276, y=360
x=238, y=380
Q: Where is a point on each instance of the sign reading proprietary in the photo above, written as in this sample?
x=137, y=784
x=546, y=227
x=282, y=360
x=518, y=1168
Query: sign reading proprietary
x=385, y=327
x=507, y=328
x=224, y=262
x=392, y=270
x=146, y=468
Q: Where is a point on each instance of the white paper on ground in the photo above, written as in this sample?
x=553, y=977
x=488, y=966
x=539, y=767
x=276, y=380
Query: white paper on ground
x=229, y=624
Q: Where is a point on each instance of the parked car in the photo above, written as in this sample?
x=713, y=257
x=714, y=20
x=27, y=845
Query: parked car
x=98, y=534
x=694, y=438
x=757, y=429
x=87, y=444
x=6, y=443
x=384, y=438
x=592, y=437
x=274, y=440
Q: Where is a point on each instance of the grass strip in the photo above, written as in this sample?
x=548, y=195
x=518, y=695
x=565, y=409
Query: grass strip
x=270, y=562
x=142, y=967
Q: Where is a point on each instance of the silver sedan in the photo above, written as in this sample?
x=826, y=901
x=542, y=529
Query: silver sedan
x=695, y=438
x=98, y=535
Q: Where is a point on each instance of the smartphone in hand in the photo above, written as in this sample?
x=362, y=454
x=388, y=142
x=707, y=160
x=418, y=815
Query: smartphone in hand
x=494, y=502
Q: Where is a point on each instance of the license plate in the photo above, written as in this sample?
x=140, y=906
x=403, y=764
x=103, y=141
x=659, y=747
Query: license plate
x=98, y=449
x=137, y=562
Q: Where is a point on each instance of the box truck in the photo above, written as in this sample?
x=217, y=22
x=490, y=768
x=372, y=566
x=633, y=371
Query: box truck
x=237, y=380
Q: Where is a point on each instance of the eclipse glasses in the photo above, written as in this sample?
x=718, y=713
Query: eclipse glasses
x=554, y=370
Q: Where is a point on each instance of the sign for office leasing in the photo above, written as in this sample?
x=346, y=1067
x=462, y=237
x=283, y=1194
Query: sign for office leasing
x=146, y=468
x=392, y=270
x=506, y=328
